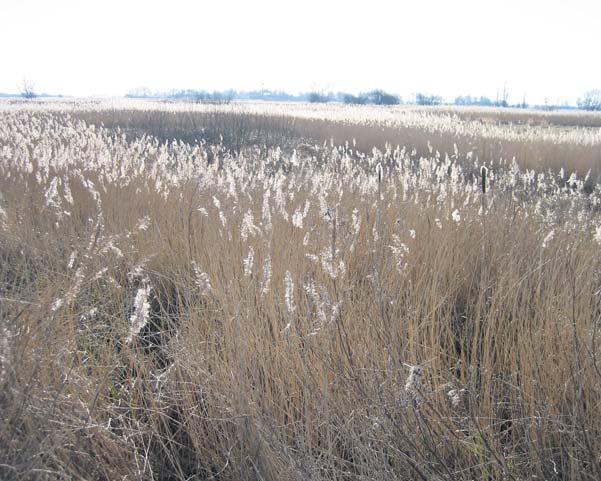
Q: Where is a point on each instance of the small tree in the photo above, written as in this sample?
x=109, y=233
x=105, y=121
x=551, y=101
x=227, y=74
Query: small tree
x=464, y=100
x=591, y=100
x=354, y=99
x=317, y=97
x=469, y=100
x=28, y=90
x=422, y=99
x=524, y=104
x=379, y=97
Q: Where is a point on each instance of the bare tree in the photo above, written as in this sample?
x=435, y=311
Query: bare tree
x=591, y=100
x=28, y=89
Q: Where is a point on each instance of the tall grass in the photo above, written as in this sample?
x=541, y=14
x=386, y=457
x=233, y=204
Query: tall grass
x=173, y=311
x=535, y=140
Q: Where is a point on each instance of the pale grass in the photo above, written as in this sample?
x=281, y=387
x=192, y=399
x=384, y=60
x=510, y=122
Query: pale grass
x=273, y=368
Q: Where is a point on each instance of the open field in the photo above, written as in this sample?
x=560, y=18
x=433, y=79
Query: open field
x=279, y=292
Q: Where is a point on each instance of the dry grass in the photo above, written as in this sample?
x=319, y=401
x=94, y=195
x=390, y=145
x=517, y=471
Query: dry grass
x=303, y=319
x=536, y=140
x=561, y=118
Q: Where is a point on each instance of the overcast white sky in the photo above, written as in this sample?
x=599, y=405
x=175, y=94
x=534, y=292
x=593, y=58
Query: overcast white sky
x=543, y=48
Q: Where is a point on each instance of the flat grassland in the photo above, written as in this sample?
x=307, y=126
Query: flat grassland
x=291, y=292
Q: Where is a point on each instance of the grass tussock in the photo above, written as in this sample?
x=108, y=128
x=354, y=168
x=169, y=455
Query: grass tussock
x=176, y=311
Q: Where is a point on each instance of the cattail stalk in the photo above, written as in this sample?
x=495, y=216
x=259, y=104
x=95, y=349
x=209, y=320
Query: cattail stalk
x=484, y=172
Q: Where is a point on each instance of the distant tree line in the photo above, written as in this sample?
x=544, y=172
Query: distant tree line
x=590, y=101
x=213, y=96
x=487, y=102
x=220, y=96
x=377, y=97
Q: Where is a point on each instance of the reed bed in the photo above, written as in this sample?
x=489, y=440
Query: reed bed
x=535, y=139
x=176, y=310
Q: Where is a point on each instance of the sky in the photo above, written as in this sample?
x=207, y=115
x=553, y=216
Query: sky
x=543, y=49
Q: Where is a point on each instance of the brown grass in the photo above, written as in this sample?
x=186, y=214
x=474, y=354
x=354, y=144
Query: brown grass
x=215, y=387
x=238, y=129
x=561, y=118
